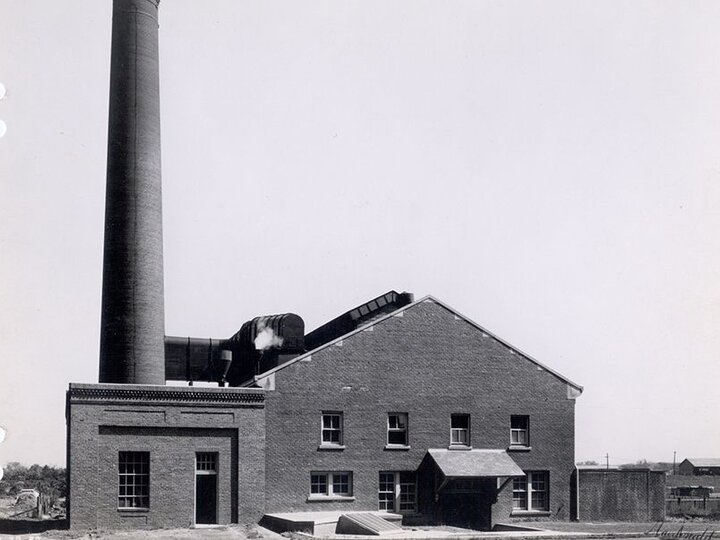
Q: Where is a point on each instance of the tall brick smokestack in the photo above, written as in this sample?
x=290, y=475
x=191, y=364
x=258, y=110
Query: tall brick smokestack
x=133, y=314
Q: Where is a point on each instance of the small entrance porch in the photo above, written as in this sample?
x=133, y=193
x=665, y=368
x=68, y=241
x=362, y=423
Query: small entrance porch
x=465, y=484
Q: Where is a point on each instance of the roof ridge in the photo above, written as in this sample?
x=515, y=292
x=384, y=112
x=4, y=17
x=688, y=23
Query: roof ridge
x=387, y=316
x=507, y=344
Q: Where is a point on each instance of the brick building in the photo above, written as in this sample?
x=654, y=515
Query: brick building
x=400, y=406
x=156, y=456
x=700, y=466
x=422, y=412
x=396, y=405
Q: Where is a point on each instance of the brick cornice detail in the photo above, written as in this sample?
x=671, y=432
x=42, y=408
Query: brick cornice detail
x=164, y=395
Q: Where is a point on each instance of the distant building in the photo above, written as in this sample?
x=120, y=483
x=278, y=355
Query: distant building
x=700, y=467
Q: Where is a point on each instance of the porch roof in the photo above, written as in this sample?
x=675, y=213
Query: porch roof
x=476, y=463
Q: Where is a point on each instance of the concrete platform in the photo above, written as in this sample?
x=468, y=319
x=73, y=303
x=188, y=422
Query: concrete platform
x=313, y=523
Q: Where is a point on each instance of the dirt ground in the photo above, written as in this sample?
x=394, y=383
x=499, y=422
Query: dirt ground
x=670, y=526
x=235, y=532
x=254, y=532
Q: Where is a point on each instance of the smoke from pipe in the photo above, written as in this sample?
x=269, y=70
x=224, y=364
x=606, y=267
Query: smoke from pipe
x=266, y=338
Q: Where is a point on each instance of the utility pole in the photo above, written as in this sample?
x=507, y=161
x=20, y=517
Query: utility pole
x=674, y=454
x=607, y=461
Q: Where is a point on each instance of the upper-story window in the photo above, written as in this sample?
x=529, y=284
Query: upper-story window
x=332, y=429
x=397, y=429
x=460, y=429
x=520, y=430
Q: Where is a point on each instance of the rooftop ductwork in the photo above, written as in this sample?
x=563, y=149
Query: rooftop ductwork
x=357, y=317
x=197, y=359
x=263, y=343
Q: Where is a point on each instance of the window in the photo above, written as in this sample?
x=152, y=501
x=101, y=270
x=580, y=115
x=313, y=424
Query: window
x=318, y=484
x=134, y=480
x=520, y=430
x=386, y=492
x=397, y=492
x=331, y=484
x=206, y=463
x=397, y=429
x=460, y=429
x=332, y=424
x=531, y=492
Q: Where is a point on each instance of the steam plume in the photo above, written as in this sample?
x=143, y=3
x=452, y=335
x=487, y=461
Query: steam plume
x=266, y=338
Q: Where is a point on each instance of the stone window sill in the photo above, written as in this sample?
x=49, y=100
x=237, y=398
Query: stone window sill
x=329, y=498
x=397, y=447
x=460, y=447
x=518, y=448
x=529, y=513
x=133, y=510
x=331, y=447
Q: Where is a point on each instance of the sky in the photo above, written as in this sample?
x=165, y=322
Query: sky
x=549, y=169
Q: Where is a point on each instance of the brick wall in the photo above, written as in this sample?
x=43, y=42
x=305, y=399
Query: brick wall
x=429, y=364
x=172, y=424
x=621, y=495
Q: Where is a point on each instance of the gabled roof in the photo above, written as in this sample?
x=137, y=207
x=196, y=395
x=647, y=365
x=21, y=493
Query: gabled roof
x=704, y=462
x=475, y=463
x=396, y=313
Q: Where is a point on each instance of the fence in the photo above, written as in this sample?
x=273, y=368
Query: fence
x=686, y=506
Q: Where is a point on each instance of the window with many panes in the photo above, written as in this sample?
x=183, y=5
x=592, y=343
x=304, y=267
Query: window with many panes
x=206, y=462
x=386, y=492
x=332, y=428
x=531, y=492
x=520, y=430
x=134, y=480
x=397, y=492
x=460, y=429
x=397, y=429
x=338, y=484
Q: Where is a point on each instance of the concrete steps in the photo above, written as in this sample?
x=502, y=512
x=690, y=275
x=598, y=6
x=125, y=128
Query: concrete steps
x=326, y=523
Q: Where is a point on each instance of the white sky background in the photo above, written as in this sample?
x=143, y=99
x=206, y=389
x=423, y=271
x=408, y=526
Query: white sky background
x=550, y=169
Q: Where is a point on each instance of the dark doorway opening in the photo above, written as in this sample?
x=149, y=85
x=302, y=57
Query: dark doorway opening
x=206, y=488
x=470, y=510
x=468, y=503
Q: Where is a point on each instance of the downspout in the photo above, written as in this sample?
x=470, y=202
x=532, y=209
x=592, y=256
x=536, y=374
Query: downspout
x=577, y=494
